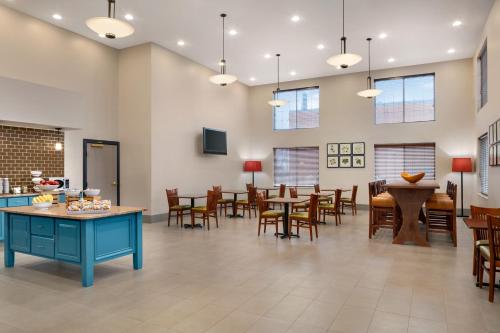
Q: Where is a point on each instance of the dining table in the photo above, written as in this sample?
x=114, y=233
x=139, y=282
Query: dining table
x=235, y=194
x=286, y=201
x=192, y=197
x=475, y=224
x=410, y=197
x=267, y=189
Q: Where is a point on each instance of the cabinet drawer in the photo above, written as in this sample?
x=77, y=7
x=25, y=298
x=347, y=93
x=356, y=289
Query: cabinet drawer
x=42, y=226
x=15, y=202
x=3, y=203
x=42, y=246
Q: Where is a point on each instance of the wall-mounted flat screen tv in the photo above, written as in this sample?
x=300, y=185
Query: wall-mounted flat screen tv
x=214, y=141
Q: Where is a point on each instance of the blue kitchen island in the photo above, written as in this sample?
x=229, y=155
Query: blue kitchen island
x=85, y=240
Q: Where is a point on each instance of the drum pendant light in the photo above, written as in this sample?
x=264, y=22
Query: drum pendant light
x=369, y=92
x=344, y=59
x=276, y=102
x=109, y=26
x=223, y=79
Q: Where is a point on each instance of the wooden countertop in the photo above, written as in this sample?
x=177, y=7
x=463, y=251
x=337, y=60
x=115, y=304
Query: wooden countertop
x=59, y=211
x=421, y=185
x=18, y=195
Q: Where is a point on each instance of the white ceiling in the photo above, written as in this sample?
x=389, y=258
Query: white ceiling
x=419, y=31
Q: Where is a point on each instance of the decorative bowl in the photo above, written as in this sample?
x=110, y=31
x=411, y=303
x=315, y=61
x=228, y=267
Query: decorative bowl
x=36, y=173
x=92, y=192
x=73, y=192
x=36, y=180
x=412, y=178
x=47, y=187
x=42, y=205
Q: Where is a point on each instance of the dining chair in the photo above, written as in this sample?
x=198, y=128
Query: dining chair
x=249, y=203
x=281, y=194
x=321, y=198
x=174, y=206
x=221, y=201
x=490, y=255
x=480, y=235
x=207, y=211
x=305, y=219
x=267, y=216
x=297, y=207
x=331, y=209
x=441, y=215
x=383, y=210
x=351, y=202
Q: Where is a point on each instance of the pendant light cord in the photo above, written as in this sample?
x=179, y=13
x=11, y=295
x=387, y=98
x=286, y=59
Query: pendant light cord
x=343, y=18
x=343, y=40
x=369, y=79
x=111, y=9
x=223, y=61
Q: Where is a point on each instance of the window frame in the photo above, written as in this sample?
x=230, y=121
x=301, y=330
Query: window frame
x=295, y=128
x=482, y=53
x=295, y=185
x=483, y=138
x=403, y=77
x=403, y=145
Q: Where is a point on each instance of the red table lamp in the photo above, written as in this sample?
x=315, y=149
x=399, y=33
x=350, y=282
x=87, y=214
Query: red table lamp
x=252, y=166
x=461, y=164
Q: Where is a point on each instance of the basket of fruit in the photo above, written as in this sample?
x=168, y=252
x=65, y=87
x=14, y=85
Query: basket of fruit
x=47, y=185
x=43, y=202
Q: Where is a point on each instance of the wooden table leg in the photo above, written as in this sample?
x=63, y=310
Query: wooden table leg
x=411, y=202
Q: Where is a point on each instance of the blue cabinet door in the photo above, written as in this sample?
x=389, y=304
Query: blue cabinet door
x=3, y=203
x=19, y=226
x=18, y=201
x=67, y=235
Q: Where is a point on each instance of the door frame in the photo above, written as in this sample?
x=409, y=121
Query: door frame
x=103, y=142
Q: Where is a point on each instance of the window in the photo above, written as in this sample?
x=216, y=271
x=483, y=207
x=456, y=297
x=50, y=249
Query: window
x=405, y=99
x=392, y=159
x=301, y=111
x=296, y=166
x=483, y=164
x=483, y=76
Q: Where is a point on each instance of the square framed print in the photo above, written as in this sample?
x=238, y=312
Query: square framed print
x=345, y=149
x=358, y=148
x=332, y=162
x=358, y=161
x=345, y=161
x=332, y=149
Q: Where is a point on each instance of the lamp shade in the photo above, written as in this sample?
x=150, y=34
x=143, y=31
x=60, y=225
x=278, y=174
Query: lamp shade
x=461, y=164
x=252, y=166
x=110, y=27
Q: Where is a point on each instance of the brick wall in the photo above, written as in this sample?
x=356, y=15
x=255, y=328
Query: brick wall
x=25, y=149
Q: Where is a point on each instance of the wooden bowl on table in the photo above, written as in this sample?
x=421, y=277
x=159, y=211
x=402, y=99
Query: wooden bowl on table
x=413, y=179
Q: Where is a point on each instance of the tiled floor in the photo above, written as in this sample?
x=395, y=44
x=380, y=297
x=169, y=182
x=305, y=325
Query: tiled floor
x=229, y=280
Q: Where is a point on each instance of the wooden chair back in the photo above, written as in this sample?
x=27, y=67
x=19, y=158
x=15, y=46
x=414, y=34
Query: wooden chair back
x=371, y=191
x=261, y=204
x=252, y=194
x=313, y=208
x=249, y=185
x=172, y=197
x=354, y=193
x=481, y=213
x=338, y=195
x=293, y=192
x=218, y=190
x=212, y=197
x=494, y=239
x=316, y=188
x=282, y=190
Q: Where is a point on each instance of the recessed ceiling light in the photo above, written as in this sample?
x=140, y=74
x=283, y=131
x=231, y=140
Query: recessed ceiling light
x=267, y=56
x=451, y=51
x=320, y=46
x=457, y=23
x=293, y=73
x=233, y=32
x=295, y=18
x=57, y=17
x=382, y=35
x=129, y=17
x=252, y=79
x=180, y=42
x=391, y=60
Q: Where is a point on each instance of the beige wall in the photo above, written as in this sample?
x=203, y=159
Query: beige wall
x=41, y=56
x=345, y=117
x=491, y=111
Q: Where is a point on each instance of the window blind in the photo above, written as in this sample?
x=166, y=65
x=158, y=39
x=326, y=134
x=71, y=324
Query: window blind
x=483, y=70
x=405, y=99
x=393, y=159
x=483, y=164
x=301, y=111
x=296, y=166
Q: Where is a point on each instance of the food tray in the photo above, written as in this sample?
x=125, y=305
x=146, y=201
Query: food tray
x=84, y=212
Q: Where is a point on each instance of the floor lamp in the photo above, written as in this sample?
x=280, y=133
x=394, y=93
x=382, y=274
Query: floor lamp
x=461, y=164
x=252, y=166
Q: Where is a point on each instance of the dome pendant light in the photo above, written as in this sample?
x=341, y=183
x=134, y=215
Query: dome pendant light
x=369, y=92
x=223, y=79
x=276, y=102
x=344, y=59
x=109, y=26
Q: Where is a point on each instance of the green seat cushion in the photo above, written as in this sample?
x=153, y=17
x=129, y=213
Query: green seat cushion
x=482, y=242
x=199, y=209
x=223, y=201
x=327, y=206
x=180, y=207
x=323, y=199
x=299, y=215
x=301, y=205
x=485, y=252
x=345, y=199
x=272, y=213
x=244, y=202
x=272, y=196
